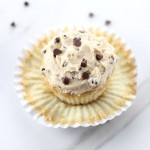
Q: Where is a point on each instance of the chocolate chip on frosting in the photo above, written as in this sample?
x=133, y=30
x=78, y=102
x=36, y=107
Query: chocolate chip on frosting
x=57, y=40
x=77, y=42
x=44, y=51
x=84, y=63
x=80, y=69
x=73, y=74
x=43, y=69
x=56, y=52
x=64, y=64
x=86, y=75
x=99, y=56
x=66, y=80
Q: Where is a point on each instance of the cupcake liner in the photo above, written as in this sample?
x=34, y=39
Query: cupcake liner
x=47, y=109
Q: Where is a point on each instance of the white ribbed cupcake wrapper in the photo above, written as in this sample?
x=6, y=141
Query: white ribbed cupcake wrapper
x=41, y=119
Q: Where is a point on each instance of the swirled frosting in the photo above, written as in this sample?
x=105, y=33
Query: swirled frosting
x=78, y=61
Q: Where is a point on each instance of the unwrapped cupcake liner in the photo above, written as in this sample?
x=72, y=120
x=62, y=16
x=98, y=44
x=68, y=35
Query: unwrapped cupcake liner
x=37, y=99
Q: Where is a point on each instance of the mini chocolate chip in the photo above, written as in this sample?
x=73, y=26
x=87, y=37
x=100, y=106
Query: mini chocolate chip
x=80, y=69
x=96, y=83
x=65, y=35
x=13, y=24
x=64, y=64
x=107, y=22
x=66, y=80
x=57, y=40
x=99, y=56
x=85, y=75
x=84, y=63
x=26, y=3
x=43, y=69
x=44, y=51
x=77, y=42
x=56, y=51
x=91, y=14
x=73, y=75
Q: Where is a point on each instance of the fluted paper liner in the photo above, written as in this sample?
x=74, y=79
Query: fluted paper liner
x=45, y=107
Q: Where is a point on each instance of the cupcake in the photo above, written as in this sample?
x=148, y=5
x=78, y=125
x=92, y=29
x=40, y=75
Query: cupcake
x=76, y=77
x=77, y=65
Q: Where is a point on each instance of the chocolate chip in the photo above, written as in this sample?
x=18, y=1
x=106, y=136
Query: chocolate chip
x=91, y=14
x=43, y=69
x=85, y=75
x=66, y=80
x=44, y=51
x=26, y=3
x=107, y=22
x=64, y=64
x=13, y=24
x=73, y=75
x=99, y=56
x=56, y=51
x=80, y=69
x=77, y=42
x=65, y=35
x=57, y=40
x=84, y=63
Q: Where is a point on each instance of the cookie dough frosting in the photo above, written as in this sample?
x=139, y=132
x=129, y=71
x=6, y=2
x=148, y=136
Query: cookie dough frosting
x=77, y=61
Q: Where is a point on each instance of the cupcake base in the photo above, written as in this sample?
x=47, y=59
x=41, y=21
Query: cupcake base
x=46, y=107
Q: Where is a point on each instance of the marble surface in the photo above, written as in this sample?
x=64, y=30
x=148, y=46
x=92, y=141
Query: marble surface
x=130, y=20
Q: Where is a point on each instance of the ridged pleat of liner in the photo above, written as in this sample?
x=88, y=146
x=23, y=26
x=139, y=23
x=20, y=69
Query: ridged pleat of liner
x=45, y=107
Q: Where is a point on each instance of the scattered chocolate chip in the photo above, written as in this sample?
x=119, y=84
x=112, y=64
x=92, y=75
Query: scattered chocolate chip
x=26, y=3
x=91, y=15
x=64, y=64
x=66, y=80
x=84, y=63
x=57, y=40
x=80, y=69
x=13, y=24
x=44, y=51
x=99, y=56
x=85, y=75
x=77, y=42
x=107, y=22
x=56, y=51
x=98, y=44
x=73, y=75
x=65, y=35
x=111, y=59
x=43, y=69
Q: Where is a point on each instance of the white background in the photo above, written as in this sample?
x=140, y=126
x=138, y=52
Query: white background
x=130, y=20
